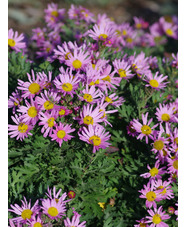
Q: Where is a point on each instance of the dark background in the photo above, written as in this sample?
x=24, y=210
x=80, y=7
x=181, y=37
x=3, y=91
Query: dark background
x=25, y=15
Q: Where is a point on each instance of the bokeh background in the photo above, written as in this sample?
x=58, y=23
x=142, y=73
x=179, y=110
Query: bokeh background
x=24, y=15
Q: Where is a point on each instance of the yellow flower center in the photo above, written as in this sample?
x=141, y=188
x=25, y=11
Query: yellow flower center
x=169, y=32
x=48, y=105
x=151, y=196
x=164, y=190
x=175, y=164
x=77, y=64
x=52, y=211
x=165, y=117
x=142, y=224
x=88, y=97
x=67, y=87
x=103, y=36
x=102, y=205
x=107, y=99
x=158, y=145
x=48, y=49
x=93, y=66
x=118, y=32
x=164, y=153
x=88, y=120
x=122, y=73
x=134, y=67
x=97, y=81
x=34, y=88
x=145, y=129
x=32, y=112
x=154, y=83
x=62, y=112
x=168, y=18
x=129, y=40
x=107, y=78
x=124, y=32
x=138, y=25
x=156, y=219
x=95, y=140
x=22, y=127
x=57, y=200
x=37, y=224
x=91, y=83
x=61, y=134
x=11, y=43
x=16, y=104
x=51, y=122
x=176, y=140
x=154, y=171
x=55, y=13
x=26, y=214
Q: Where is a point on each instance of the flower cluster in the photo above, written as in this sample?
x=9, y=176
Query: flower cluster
x=45, y=211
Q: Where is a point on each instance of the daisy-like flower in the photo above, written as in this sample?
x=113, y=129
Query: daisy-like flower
x=139, y=23
x=164, y=188
x=114, y=100
x=164, y=113
x=156, y=81
x=153, y=62
x=131, y=130
x=20, y=130
x=102, y=32
x=48, y=122
x=15, y=42
x=25, y=212
x=12, y=224
x=96, y=136
x=144, y=129
x=173, y=165
x=130, y=39
x=14, y=100
x=79, y=59
x=53, y=209
x=88, y=116
x=61, y=133
x=58, y=198
x=122, y=68
x=45, y=49
x=142, y=223
x=48, y=100
x=75, y=221
x=64, y=51
x=31, y=88
x=90, y=94
x=175, y=60
x=30, y=112
x=67, y=84
x=155, y=172
x=150, y=194
x=53, y=14
x=35, y=222
x=157, y=216
x=63, y=111
x=169, y=29
x=47, y=80
x=38, y=35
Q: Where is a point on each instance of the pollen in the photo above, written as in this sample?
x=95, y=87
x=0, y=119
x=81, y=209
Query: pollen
x=122, y=73
x=88, y=97
x=67, y=87
x=11, y=43
x=34, y=88
x=154, y=83
x=52, y=211
x=109, y=100
x=48, y=105
x=95, y=140
x=62, y=112
x=32, y=112
x=37, y=224
x=107, y=78
x=26, y=214
x=77, y=64
x=129, y=40
x=55, y=13
x=156, y=219
x=165, y=117
x=154, y=171
x=169, y=32
x=158, y=145
x=22, y=128
x=88, y=120
x=151, y=196
x=103, y=36
x=61, y=134
x=145, y=129
x=51, y=122
x=175, y=164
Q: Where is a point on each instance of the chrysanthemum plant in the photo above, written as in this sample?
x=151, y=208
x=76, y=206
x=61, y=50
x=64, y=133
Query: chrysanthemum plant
x=93, y=111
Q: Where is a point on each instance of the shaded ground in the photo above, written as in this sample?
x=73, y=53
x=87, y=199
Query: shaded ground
x=25, y=15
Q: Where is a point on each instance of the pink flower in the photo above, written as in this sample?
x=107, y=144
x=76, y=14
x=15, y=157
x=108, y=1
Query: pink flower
x=144, y=129
x=157, y=216
x=155, y=82
x=90, y=94
x=164, y=188
x=15, y=41
x=20, y=130
x=53, y=195
x=122, y=67
x=75, y=221
x=164, y=113
x=25, y=212
x=96, y=136
x=61, y=133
